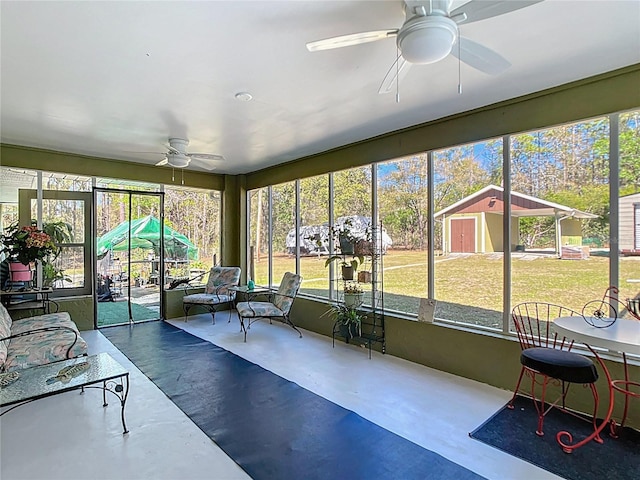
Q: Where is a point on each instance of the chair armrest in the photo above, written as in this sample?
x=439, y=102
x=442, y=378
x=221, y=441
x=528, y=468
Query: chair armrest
x=46, y=329
x=230, y=293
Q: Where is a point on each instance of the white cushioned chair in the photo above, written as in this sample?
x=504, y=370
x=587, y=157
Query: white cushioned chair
x=278, y=306
x=216, y=292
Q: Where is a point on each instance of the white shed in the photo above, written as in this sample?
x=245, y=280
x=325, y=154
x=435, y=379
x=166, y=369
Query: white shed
x=629, y=213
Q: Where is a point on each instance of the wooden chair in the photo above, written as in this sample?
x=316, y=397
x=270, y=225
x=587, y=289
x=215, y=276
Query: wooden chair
x=547, y=358
x=278, y=306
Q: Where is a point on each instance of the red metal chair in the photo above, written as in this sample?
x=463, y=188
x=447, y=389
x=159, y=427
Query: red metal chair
x=546, y=358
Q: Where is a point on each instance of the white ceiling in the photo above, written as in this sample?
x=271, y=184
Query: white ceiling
x=112, y=79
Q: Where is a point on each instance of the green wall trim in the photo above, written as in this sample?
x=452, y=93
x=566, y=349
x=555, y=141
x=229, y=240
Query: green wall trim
x=231, y=220
x=590, y=97
x=50, y=160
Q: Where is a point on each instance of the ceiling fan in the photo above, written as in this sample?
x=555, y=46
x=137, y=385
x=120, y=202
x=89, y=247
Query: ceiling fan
x=178, y=157
x=430, y=33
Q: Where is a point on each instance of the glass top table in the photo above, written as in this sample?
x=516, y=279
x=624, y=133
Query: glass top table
x=250, y=291
x=50, y=379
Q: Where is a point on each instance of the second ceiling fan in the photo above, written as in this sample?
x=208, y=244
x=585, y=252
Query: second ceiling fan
x=430, y=33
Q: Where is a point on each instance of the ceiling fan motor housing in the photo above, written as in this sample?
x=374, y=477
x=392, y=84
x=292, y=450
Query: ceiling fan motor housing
x=179, y=144
x=427, y=39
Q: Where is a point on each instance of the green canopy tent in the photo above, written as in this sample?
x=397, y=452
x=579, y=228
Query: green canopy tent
x=145, y=234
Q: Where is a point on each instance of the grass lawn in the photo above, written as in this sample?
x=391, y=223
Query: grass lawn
x=469, y=287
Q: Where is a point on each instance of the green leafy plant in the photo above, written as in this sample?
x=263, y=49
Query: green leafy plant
x=354, y=262
x=344, y=315
x=52, y=274
x=27, y=244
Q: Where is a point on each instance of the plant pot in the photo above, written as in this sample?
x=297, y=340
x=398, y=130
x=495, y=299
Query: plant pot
x=350, y=330
x=364, y=277
x=364, y=247
x=347, y=272
x=353, y=300
x=346, y=246
x=19, y=272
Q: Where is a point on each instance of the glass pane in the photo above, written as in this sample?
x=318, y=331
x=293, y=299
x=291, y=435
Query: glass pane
x=629, y=212
x=65, y=182
x=128, y=257
x=560, y=207
x=195, y=217
x=284, y=219
x=469, y=232
x=314, y=235
x=259, y=236
x=402, y=206
x=352, y=222
x=64, y=218
x=67, y=270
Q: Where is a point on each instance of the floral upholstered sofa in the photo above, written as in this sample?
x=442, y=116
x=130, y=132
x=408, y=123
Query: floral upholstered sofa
x=38, y=340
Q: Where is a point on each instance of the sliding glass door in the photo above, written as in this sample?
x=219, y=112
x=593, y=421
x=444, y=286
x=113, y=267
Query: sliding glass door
x=130, y=266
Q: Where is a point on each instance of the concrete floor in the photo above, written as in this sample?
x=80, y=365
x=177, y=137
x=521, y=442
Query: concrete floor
x=71, y=436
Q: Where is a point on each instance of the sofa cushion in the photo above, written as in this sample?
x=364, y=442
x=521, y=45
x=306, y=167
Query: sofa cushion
x=41, y=348
x=41, y=321
x=38, y=348
x=5, y=331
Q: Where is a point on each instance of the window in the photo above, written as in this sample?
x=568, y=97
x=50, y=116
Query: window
x=469, y=234
x=560, y=204
x=314, y=235
x=68, y=214
x=558, y=243
x=402, y=205
x=283, y=208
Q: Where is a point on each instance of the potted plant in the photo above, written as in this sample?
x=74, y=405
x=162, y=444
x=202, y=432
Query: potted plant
x=52, y=274
x=353, y=295
x=347, y=320
x=23, y=246
x=348, y=266
x=344, y=237
x=60, y=232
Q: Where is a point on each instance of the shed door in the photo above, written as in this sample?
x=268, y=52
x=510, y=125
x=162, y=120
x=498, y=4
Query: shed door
x=463, y=235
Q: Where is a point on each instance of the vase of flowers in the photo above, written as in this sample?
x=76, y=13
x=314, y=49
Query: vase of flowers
x=23, y=246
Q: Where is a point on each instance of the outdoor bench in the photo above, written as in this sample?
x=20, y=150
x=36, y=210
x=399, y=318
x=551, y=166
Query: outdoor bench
x=38, y=340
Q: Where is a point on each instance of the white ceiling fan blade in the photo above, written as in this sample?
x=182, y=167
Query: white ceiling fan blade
x=207, y=157
x=162, y=162
x=396, y=73
x=204, y=163
x=477, y=10
x=480, y=57
x=351, y=39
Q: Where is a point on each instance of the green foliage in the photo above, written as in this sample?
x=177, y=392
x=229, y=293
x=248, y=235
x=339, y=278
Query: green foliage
x=344, y=315
x=355, y=262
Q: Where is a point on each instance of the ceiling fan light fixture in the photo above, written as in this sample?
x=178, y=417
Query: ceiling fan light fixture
x=427, y=39
x=178, y=161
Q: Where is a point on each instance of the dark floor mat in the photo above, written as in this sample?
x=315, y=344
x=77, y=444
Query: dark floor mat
x=513, y=432
x=273, y=428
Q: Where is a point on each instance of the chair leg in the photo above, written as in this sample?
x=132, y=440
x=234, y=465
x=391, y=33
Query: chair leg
x=287, y=320
x=186, y=307
x=515, y=392
x=596, y=404
x=539, y=405
x=243, y=329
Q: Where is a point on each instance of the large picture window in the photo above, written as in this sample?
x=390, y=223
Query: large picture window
x=557, y=237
